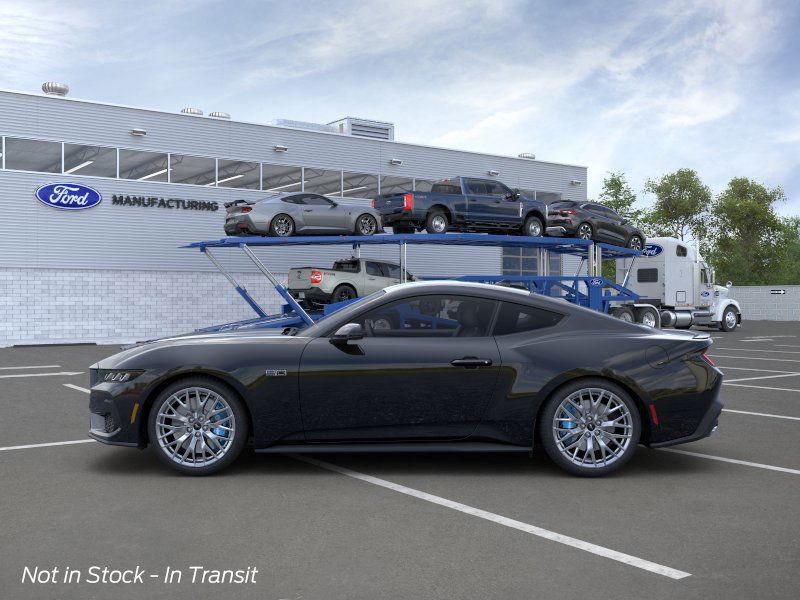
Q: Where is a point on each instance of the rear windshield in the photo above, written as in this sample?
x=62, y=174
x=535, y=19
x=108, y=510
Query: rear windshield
x=446, y=186
x=351, y=266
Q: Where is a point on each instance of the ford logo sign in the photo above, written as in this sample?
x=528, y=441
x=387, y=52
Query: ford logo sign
x=68, y=196
x=705, y=294
x=652, y=250
x=595, y=281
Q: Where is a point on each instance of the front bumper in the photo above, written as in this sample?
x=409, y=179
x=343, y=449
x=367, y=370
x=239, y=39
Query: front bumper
x=115, y=414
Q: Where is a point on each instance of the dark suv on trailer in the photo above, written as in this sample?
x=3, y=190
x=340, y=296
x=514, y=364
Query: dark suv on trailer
x=464, y=204
x=593, y=221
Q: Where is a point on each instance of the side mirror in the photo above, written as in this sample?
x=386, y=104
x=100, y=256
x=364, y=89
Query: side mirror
x=512, y=195
x=334, y=204
x=348, y=332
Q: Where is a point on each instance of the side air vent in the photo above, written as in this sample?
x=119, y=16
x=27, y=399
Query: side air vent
x=376, y=130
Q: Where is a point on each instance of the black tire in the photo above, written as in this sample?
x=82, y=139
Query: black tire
x=343, y=292
x=584, y=231
x=366, y=224
x=729, y=324
x=650, y=315
x=239, y=418
x=403, y=229
x=623, y=313
x=433, y=223
x=636, y=243
x=276, y=226
x=533, y=227
x=547, y=435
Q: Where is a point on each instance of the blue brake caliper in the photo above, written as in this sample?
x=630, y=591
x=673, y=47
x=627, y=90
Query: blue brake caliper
x=219, y=417
x=569, y=424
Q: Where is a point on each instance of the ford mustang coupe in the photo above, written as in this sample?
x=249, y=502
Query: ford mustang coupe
x=427, y=366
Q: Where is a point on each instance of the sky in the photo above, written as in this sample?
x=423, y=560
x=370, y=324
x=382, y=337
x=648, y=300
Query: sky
x=639, y=87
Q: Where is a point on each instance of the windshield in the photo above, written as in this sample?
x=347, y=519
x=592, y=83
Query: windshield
x=345, y=313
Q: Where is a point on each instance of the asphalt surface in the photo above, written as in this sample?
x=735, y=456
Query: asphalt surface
x=313, y=532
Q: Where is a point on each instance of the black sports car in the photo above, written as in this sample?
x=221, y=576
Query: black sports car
x=427, y=366
x=592, y=221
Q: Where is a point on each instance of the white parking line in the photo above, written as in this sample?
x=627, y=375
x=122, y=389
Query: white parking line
x=47, y=445
x=760, y=387
x=41, y=374
x=756, y=414
x=733, y=460
x=495, y=518
x=757, y=350
x=763, y=377
x=752, y=369
x=77, y=387
x=31, y=367
x=754, y=358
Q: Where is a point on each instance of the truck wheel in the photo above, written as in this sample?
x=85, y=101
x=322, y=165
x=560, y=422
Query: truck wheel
x=729, y=320
x=623, y=313
x=366, y=224
x=647, y=317
x=533, y=227
x=344, y=292
x=436, y=222
x=281, y=226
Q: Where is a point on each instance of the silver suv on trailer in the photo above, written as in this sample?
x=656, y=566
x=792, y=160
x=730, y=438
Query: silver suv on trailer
x=347, y=279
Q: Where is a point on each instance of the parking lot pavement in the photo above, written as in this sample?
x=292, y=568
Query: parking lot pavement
x=346, y=528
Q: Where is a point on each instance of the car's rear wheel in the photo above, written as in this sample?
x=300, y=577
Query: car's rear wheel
x=198, y=426
x=584, y=231
x=533, y=227
x=436, y=222
x=590, y=427
x=366, y=225
x=344, y=292
x=635, y=243
x=281, y=226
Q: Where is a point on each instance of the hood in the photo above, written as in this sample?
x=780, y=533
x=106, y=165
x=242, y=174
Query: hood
x=720, y=291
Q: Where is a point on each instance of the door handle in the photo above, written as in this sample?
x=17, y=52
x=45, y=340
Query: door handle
x=308, y=210
x=470, y=362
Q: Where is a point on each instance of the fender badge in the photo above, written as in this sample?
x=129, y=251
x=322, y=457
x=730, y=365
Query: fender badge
x=275, y=372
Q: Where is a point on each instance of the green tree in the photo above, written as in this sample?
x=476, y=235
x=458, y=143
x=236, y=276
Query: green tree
x=681, y=205
x=618, y=195
x=750, y=243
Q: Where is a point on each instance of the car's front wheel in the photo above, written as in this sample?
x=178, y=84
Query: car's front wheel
x=590, y=427
x=198, y=426
x=366, y=225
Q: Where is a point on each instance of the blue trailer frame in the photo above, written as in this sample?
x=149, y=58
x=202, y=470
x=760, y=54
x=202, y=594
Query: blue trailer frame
x=598, y=295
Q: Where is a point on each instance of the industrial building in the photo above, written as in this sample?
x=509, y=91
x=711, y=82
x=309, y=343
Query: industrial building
x=117, y=273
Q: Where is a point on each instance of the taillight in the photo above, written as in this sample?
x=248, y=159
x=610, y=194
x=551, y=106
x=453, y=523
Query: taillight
x=316, y=277
x=408, y=201
x=246, y=209
x=568, y=212
x=373, y=203
x=707, y=358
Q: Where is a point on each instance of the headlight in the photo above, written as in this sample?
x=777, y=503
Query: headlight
x=118, y=376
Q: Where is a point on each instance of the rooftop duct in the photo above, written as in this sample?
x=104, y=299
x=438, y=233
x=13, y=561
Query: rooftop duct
x=376, y=130
x=527, y=155
x=51, y=88
x=192, y=111
x=303, y=125
x=219, y=115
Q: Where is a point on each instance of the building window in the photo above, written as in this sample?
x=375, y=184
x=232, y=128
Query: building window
x=143, y=166
x=194, y=170
x=321, y=181
x=280, y=178
x=396, y=185
x=359, y=185
x=237, y=174
x=96, y=161
x=525, y=261
x=33, y=155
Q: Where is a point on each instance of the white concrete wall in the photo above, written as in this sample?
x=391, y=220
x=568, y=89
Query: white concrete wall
x=62, y=306
x=760, y=304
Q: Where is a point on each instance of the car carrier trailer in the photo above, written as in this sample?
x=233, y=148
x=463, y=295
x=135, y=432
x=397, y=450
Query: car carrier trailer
x=591, y=290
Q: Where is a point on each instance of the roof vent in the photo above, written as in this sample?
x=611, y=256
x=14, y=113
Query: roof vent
x=192, y=111
x=376, y=130
x=527, y=155
x=303, y=125
x=219, y=115
x=51, y=88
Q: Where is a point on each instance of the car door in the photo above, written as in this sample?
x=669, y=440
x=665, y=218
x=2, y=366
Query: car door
x=426, y=369
x=616, y=225
x=323, y=215
x=480, y=203
x=376, y=277
x=504, y=206
x=600, y=222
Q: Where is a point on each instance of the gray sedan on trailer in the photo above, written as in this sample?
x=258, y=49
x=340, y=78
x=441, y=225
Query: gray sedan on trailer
x=300, y=213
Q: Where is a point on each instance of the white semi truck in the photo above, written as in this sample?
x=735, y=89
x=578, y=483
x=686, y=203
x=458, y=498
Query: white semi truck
x=676, y=288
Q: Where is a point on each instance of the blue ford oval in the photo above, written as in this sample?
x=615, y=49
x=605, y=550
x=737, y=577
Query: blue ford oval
x=68, y=196
x=652, y=250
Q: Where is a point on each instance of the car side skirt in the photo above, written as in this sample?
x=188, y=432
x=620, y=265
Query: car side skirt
x=399, y=447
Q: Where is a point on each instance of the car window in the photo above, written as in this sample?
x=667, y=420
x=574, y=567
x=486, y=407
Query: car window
x=350, y=266
x=516, y=318
x=430, y=316
x=495, y=188
x=315, y=200
x=374, y=269
x=294, y=199
x=394, y=271
x=476, y=186
x=445, y=186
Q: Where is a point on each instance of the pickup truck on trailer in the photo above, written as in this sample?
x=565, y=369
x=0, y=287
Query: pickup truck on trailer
x=348, y=279
x=464, y=204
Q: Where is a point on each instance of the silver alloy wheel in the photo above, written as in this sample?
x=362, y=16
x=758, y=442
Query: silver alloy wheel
x=195, y=427
x=439, y=223
x=585, y=231
x=635, y=243
x=592, y=427
x=730, y=319
x=534, y=228
x=282, y=225
x=367, y=225
x=649, y=318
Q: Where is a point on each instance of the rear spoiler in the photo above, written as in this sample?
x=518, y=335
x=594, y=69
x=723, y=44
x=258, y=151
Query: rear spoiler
x=239, y=202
